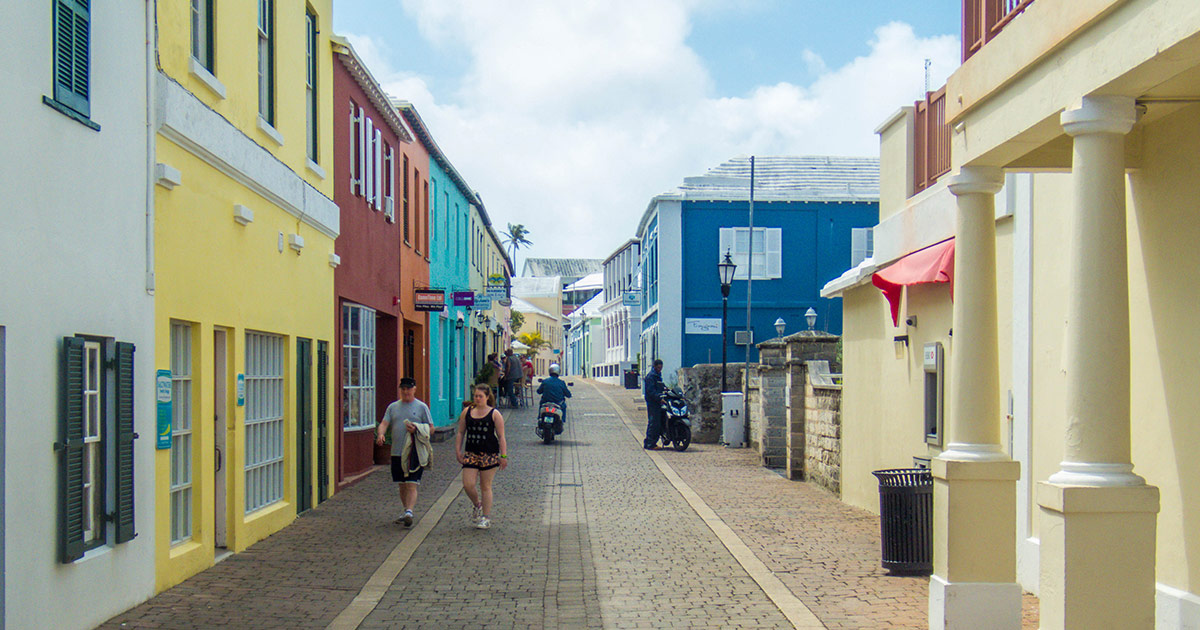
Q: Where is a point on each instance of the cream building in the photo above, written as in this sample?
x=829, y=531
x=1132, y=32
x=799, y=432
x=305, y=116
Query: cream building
x=539, y=299
x=1064, y=464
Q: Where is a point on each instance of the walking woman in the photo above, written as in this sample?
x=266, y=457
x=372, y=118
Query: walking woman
x=482, y=450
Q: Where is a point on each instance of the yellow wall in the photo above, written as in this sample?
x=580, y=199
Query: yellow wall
x=212, y=272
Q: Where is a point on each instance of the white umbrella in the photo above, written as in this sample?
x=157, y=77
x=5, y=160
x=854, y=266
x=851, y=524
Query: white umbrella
x=517, y=345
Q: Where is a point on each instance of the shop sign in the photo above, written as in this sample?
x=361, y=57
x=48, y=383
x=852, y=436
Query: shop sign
x=483, y=302
x=162, y=386
x=464, y=298
x=430, y=300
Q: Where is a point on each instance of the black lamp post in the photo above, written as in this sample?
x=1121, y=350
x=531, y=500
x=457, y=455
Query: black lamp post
x=725, y=268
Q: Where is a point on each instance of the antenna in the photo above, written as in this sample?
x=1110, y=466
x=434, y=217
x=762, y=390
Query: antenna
x=928, y=63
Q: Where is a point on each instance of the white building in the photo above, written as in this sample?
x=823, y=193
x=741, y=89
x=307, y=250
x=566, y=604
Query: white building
x=76, y=331
x=621, y=314
x=585, y=341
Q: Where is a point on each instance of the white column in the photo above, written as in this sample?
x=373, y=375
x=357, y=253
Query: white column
x=973, y=585
x=1098, y=517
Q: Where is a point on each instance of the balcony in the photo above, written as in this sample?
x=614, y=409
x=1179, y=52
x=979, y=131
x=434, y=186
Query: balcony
x=931, y=140
x=983, y=19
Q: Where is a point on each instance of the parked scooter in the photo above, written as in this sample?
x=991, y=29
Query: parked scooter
x=549, y=422
x=677, y=425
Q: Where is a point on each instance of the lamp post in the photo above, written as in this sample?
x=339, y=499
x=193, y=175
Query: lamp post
x=811, y=316
x=780, y=326
x=725, y=268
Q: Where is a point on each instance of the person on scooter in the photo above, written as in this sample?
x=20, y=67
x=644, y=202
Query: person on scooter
x=554, y=390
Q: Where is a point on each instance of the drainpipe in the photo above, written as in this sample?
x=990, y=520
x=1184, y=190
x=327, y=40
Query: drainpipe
x=151, y=63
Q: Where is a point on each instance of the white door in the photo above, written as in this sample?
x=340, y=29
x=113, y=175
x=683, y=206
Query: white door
x=221, y=460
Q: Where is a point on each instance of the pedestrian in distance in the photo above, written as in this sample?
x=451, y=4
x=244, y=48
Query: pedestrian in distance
x=652, y=391
x=411, y=423
x=482, y=450
x=512, y=376
x=495, y=375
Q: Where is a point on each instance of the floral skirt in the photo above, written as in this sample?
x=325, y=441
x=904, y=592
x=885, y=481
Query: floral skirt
x=481, y=461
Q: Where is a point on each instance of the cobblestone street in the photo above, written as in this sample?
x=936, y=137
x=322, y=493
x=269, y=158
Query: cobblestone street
x=590, y=531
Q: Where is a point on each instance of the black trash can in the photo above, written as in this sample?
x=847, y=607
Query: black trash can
x=631, y=379
x=906, y=519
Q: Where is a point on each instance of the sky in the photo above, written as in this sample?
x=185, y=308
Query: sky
x=569, y=116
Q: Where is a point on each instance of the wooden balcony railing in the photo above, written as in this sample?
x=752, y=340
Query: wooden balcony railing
x=983, y=19
x=931, y=140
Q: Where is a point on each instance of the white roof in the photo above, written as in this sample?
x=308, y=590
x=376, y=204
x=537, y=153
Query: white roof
x=538, y=286
x=588, y=282
x=521, y=306
x=589, y=310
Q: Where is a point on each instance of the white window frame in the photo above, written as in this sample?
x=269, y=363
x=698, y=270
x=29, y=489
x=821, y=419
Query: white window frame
x=368, y=174
x=202, y=34
x=768, y=252
x=312, y=134
x=389, y=180
x=358, y=367
x=94, y=453
x=181, y=432
x=356, y=149
x=264, y=423
x=862, y=245
x=266, y=60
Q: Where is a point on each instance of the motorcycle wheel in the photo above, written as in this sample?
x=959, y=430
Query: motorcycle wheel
x=683, y=437
x=547, y=436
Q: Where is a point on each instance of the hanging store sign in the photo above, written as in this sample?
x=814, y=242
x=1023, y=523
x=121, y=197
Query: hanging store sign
x=497, y=293
x=629, y=298
x=429, y=300
x=162, y=387
x=464, y=298
x=483, y=302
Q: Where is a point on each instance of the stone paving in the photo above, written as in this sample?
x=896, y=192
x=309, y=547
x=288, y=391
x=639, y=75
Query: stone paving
x=587, y=533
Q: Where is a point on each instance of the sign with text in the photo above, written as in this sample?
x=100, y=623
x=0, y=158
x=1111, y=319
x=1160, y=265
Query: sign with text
x=629, y=298
x=702, y=326
x=429, y=300
x=241, y=390
x=162, y=388
x=464, y=298
x=497, y=293
x=483, y=302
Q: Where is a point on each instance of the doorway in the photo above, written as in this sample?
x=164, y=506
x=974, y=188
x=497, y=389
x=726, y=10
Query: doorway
x=303, y=424
x=220, y=427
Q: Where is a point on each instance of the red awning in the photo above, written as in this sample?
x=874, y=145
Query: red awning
x=932, y=264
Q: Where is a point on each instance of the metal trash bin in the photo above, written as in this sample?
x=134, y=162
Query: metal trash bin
x=631, y=379
x=906, y=519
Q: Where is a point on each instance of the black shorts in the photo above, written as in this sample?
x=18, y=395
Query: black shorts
x=414, y=476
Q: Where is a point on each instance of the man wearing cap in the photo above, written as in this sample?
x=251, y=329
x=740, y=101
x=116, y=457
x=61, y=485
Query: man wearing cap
x=411, y=423
x=652, y=391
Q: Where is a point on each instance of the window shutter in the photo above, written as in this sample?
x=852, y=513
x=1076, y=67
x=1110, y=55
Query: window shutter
x=70, y=527
x=362, y=153
x=72, y=35
x=322, y=420
x=378, y=162
x=354, y=144
x=369, y=164
x=123, y=512
x=774, y=251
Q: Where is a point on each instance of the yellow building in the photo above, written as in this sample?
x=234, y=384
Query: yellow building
x=244, y=264
x=540, y=300
x=1066, y=463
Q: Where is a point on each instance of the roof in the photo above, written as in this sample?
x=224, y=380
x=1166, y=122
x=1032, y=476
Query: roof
x=362, y=76
x=521, y=306
x=565, y=267
x=544, y=286
x=589, y=310
x=779, y=178
x=409, y=111
x=627, y=244
x=588, y=282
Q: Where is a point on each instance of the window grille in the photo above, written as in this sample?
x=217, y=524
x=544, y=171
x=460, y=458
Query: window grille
x=93, y=443
x=358, y=366
x=181, y=432
x=767, y=251
x=264, y=420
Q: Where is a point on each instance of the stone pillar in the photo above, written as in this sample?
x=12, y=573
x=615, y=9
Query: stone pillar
x=1098, y=517
x=974, y=537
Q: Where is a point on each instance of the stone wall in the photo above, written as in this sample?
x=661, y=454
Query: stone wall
x=701, y=386
x=768, y=404
x=822, y=427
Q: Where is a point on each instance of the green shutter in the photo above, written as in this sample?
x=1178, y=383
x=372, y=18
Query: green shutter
x=322, y=420
x=70, y=447
x=72, y=57
x=123, y=512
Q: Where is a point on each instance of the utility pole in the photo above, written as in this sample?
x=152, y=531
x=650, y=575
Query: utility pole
x=749, y=328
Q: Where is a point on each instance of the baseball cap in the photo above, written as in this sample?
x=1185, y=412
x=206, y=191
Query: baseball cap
x=408, y=381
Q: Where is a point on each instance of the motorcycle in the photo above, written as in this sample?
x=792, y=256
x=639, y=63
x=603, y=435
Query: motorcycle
x=549, y=421
x=677, y=424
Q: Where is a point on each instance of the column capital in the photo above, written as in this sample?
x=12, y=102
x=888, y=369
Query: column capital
x=976, y=180
x=1100, y=114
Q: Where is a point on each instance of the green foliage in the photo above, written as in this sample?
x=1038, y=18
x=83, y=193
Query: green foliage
x=516, y=320
x=516, y=237
x=534, y=341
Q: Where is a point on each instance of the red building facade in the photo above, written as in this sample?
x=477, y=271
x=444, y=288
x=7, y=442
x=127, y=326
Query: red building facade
x=381, y=187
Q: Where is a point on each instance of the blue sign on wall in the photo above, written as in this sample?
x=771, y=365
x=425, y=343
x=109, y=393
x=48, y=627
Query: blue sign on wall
x=162, y=387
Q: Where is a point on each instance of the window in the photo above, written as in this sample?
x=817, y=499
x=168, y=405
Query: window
x=266, y=60
x=767, y=251
x=405, y=198
x=310, y=82
x=95, y=444
x=417, y=208
x=358, y=366
x=862, y=245
x=203, y=28
x=368, y=160
x=389, y=184
x=357, y=149
x=72, y=56
x=181, y=432
x=264, y=420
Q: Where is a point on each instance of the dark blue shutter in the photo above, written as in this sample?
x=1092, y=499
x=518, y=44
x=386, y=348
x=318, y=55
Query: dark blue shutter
x=123, y=510
x=322, y=420
x=70, y=447
x=72, y=54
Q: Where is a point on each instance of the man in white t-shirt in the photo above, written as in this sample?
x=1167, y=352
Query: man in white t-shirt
x=401, y=416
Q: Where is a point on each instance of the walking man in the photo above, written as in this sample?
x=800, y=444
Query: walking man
x=411, y=423
x=652, y=390
x=512, y=376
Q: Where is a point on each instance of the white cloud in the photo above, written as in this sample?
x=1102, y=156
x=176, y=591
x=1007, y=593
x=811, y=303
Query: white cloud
x=574, y=114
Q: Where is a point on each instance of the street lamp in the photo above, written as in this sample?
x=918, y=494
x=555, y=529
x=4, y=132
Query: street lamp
x=779, y=326
x=725, y=268
x=811, y=316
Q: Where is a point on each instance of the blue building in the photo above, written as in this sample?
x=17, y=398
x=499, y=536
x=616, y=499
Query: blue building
x=807, y=212
x=450, y=201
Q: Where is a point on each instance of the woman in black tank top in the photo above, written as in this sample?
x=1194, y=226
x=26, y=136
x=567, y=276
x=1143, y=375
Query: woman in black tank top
x=481, y=450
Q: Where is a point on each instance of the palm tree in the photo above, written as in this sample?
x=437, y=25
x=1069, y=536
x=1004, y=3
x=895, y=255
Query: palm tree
x=515, y=238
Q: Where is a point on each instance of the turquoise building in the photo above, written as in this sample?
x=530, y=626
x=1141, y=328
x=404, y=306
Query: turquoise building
x=450, y=201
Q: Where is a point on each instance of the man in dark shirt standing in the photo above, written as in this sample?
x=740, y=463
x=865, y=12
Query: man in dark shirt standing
x=652, y=390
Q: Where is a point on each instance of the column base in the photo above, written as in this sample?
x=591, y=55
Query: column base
x=1098, y=556
x=973, y=605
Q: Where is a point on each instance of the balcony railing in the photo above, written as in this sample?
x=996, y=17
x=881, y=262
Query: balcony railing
x=983, y=19
x=931, y=140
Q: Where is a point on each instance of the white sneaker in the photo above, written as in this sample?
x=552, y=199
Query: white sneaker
x=483, y=523
x=476, y=514
x=407, y=518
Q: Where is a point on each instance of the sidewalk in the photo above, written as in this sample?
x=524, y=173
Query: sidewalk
x=825, y=551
